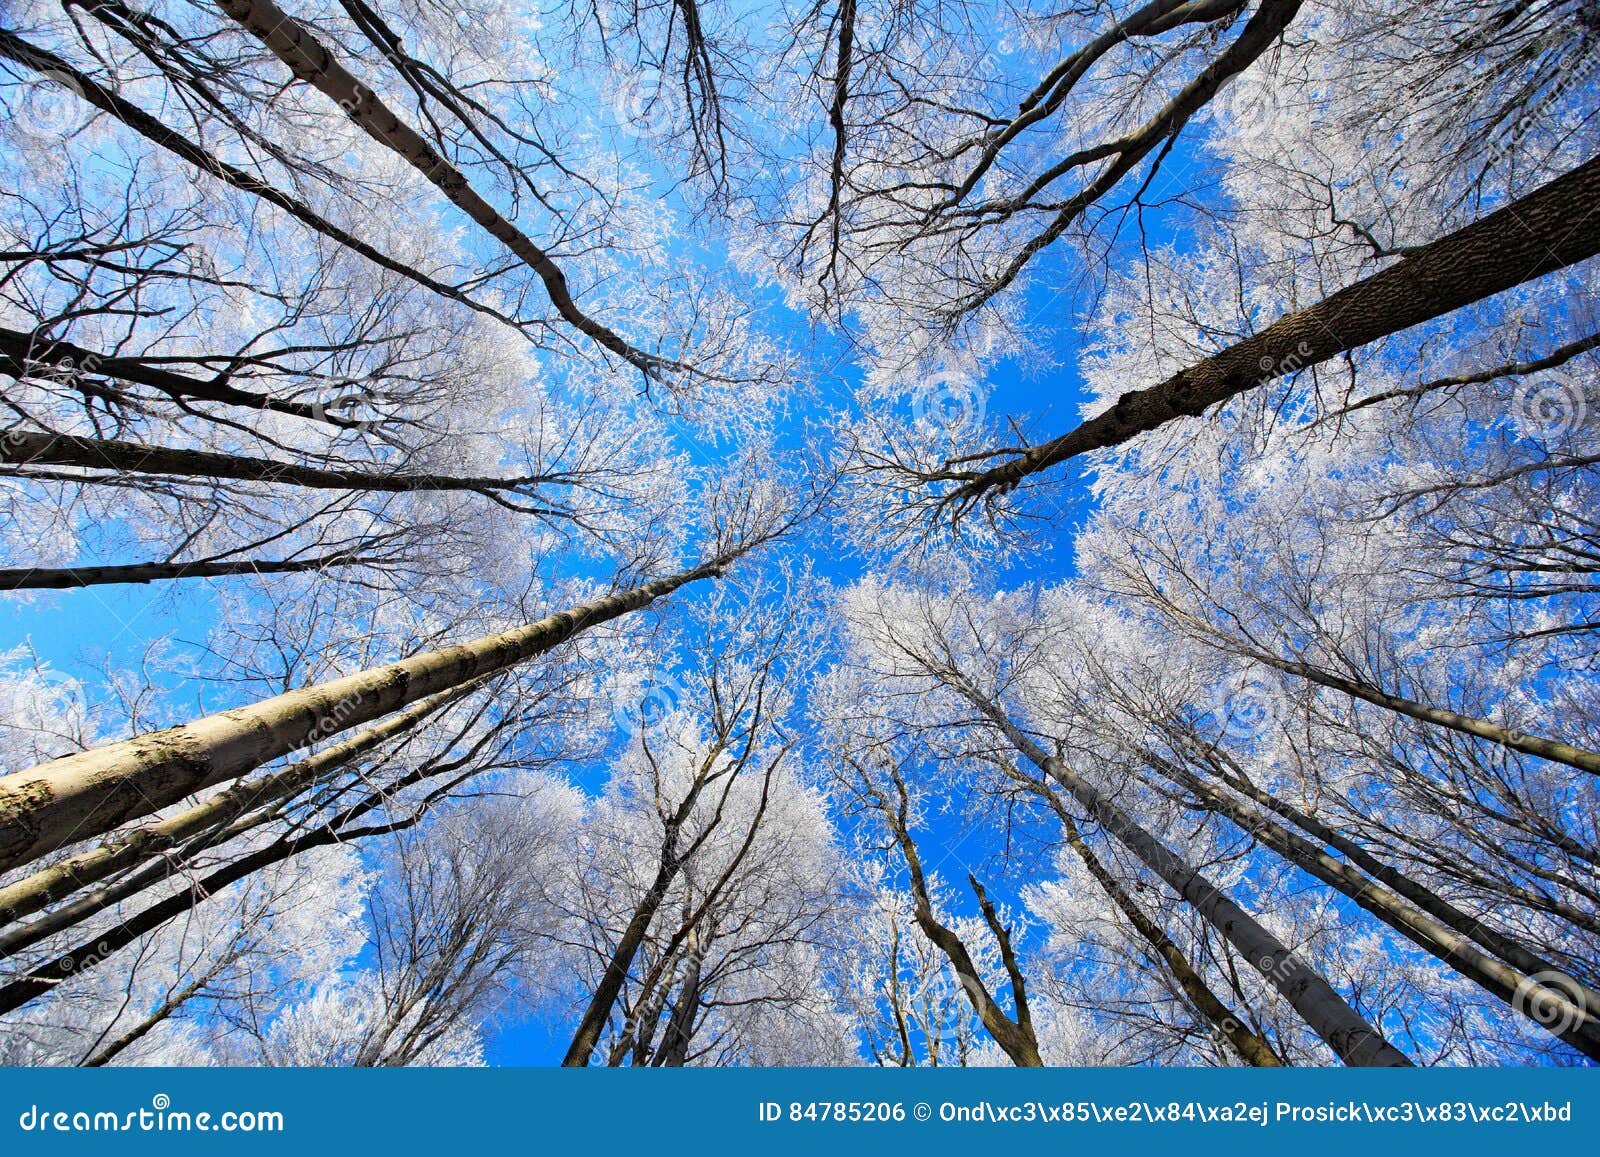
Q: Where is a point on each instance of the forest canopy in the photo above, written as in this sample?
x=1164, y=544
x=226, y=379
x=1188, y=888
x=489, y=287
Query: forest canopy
x=696, y=532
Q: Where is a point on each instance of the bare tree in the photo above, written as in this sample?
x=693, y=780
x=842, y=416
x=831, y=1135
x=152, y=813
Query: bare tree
x=891, y=803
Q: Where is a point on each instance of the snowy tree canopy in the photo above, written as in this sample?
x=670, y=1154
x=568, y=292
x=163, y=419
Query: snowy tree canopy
x=708, y=533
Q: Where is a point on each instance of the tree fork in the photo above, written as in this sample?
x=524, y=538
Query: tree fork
x=1015, y=1037
x=669, y=866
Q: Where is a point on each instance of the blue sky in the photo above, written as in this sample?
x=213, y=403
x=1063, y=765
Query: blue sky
x=79, y=632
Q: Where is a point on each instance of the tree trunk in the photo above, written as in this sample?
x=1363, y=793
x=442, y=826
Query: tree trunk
x=675, y=1040
x=638, y=1031
x=1549, y=229
x=672, y=861
x=1019, y=1043
x=1249, y=1046
x=22, y=448
x=295, y=45
x=78, y=797
x=1344, y=1030
x=208, y=823
x=617, y=966
x=1438, y=941
x=69, y=578
x=96, y=950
